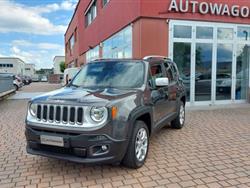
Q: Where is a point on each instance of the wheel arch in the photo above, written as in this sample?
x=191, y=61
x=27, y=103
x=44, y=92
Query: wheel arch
x=143, y=113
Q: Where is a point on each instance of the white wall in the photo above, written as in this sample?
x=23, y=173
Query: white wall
x=17, y=69
x=56, y=63
x=29, y=70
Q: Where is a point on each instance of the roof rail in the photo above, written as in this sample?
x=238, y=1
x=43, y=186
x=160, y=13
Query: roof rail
x=156, y=56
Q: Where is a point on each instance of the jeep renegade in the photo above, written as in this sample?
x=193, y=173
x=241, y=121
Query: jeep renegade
x=108, y=111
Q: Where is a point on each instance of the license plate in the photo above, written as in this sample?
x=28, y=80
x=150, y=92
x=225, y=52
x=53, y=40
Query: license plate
x=52, y=140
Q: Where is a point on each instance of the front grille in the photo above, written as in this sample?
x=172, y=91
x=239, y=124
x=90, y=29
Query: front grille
x=60, y=114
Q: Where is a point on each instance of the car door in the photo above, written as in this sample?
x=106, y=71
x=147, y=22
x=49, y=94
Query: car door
x=159, y=95
x=172, y=75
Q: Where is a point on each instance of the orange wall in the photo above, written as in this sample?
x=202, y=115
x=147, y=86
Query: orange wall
x=150, y=30
x=150, y=37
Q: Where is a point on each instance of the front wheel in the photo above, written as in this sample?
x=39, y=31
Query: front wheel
x=138, y=146
x=179, y=121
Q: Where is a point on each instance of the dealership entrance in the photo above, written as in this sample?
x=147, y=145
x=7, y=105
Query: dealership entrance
x=213, y=60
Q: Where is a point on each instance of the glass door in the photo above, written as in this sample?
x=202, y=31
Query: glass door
x=182, y=57
x=203, y=71
x=224, y=72
x=242, y=72
x=213, y=60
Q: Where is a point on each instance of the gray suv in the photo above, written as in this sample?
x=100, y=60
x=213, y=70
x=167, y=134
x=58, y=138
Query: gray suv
x=108, y=111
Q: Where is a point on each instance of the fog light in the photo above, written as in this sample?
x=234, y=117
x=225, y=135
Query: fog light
x=104, y=147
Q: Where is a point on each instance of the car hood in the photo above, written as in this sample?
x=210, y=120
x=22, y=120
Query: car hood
x=87, y=96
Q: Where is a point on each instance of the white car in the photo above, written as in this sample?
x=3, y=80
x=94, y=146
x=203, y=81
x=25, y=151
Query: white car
x=44, y=79
x=17, y=82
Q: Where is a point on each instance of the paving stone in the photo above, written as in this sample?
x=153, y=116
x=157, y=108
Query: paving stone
x=212, y=150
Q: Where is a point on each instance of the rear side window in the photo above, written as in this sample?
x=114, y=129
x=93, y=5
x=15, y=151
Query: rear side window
x=175, y=72
x=169, y=72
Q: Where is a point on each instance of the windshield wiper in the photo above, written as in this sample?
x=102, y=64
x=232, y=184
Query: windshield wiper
x=74, y=85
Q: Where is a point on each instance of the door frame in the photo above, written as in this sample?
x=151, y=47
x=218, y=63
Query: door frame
x=214, y=41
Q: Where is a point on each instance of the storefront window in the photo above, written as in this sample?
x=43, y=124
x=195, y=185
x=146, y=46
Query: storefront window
x=181, y=31
x=225, y=34
x=92, y=54
x=119, y=45
x=213, y=60
x=242, y=70
x=244, y=33
x=204, y=33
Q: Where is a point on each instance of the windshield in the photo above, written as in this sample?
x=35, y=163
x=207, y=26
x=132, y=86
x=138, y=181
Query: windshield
x=115, y=74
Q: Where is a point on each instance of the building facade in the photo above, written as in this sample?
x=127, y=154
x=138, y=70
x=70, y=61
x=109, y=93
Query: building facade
x=12, y=65
x=30, y=70
x=56, y=64
x=208, y=39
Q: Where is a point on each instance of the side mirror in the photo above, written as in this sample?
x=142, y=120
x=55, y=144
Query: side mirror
x=159, y=82
x=70, y=80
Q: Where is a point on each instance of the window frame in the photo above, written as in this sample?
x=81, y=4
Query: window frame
x=91, y=14
x=104, y=4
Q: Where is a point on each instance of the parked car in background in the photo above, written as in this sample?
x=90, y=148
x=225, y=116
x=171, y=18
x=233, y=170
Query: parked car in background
x=26, y=80
x=17, y=82
x=35, y=78
x=107, y=112
x=69, y=74
x=44, y=79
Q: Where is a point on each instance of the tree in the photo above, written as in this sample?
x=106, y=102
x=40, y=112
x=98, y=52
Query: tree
x=62, y=66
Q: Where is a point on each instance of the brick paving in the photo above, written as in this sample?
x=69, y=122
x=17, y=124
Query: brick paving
x=212, y=150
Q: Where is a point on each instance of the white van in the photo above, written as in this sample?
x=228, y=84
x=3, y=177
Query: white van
x=69, y=73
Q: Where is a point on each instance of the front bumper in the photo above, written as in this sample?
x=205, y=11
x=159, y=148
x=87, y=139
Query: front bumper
x=81, y=148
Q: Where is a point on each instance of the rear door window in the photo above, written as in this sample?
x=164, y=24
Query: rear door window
x=169, y=72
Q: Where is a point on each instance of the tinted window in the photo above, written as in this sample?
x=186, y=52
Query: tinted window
x=111, y=74
x=204, y=32
x=174, y=71
x=225, y=33
x=169, y=72
x=181, y=31
x=244, y=33
x=156, y=72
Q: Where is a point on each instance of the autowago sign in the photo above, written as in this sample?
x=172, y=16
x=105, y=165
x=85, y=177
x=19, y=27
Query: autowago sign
x=203, y=7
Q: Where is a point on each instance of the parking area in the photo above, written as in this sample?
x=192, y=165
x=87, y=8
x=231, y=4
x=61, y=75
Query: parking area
x=39, y=87
x=212, y=150
x=34, y=89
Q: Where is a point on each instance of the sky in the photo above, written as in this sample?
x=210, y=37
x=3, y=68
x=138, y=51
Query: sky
x=33, y=30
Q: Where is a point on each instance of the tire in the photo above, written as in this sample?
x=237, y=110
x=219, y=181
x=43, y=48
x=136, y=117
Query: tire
x=16, y=87
x=131, y=158
x=179, y=121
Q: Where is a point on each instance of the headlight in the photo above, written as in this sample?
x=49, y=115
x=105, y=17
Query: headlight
x=98, y=114
x=32, y=109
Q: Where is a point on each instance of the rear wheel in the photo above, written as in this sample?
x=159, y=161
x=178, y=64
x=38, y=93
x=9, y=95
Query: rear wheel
x=179, y=121
x=138, y=146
